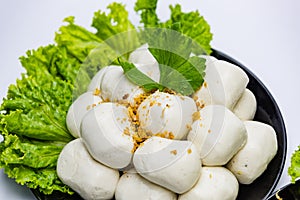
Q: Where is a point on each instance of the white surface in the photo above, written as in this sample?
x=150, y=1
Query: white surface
x=263, y=35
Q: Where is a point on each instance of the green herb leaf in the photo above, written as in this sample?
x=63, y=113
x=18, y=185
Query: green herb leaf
x=187, y=78
x=178, y=71
x=137, y=77
x=172, y=50
x=168, y=47
x=294, y=169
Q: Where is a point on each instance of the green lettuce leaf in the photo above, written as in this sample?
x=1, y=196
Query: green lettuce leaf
x=51, y=61
x=33, y=118
x=116, y=29
x=33, y=115
x=294, y=169
x=78, y=41
x=36, y=107
x=85, y=50
x=148, y=12
x=193, y=25
x=32, y=163
x=30, y=153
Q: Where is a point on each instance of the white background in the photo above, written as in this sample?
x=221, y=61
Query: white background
x=262, y=34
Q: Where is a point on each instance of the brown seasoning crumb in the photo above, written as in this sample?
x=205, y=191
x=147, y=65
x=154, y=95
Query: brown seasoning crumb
x=97, y=92
x=88, y=107
x=189, y=127
x=196, y=116
x=125, y=96
x=126, y=131
x=165, y=134
x=174, y=152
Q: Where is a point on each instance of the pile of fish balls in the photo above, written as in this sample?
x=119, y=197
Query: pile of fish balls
x=133, y=145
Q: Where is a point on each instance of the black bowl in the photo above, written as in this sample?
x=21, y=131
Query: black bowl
x=267, y=112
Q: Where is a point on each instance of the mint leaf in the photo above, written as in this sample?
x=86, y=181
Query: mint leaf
x=137, y=77
x=186, y=79
x=172, y=51
x=178, y=72
x=168, y=47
